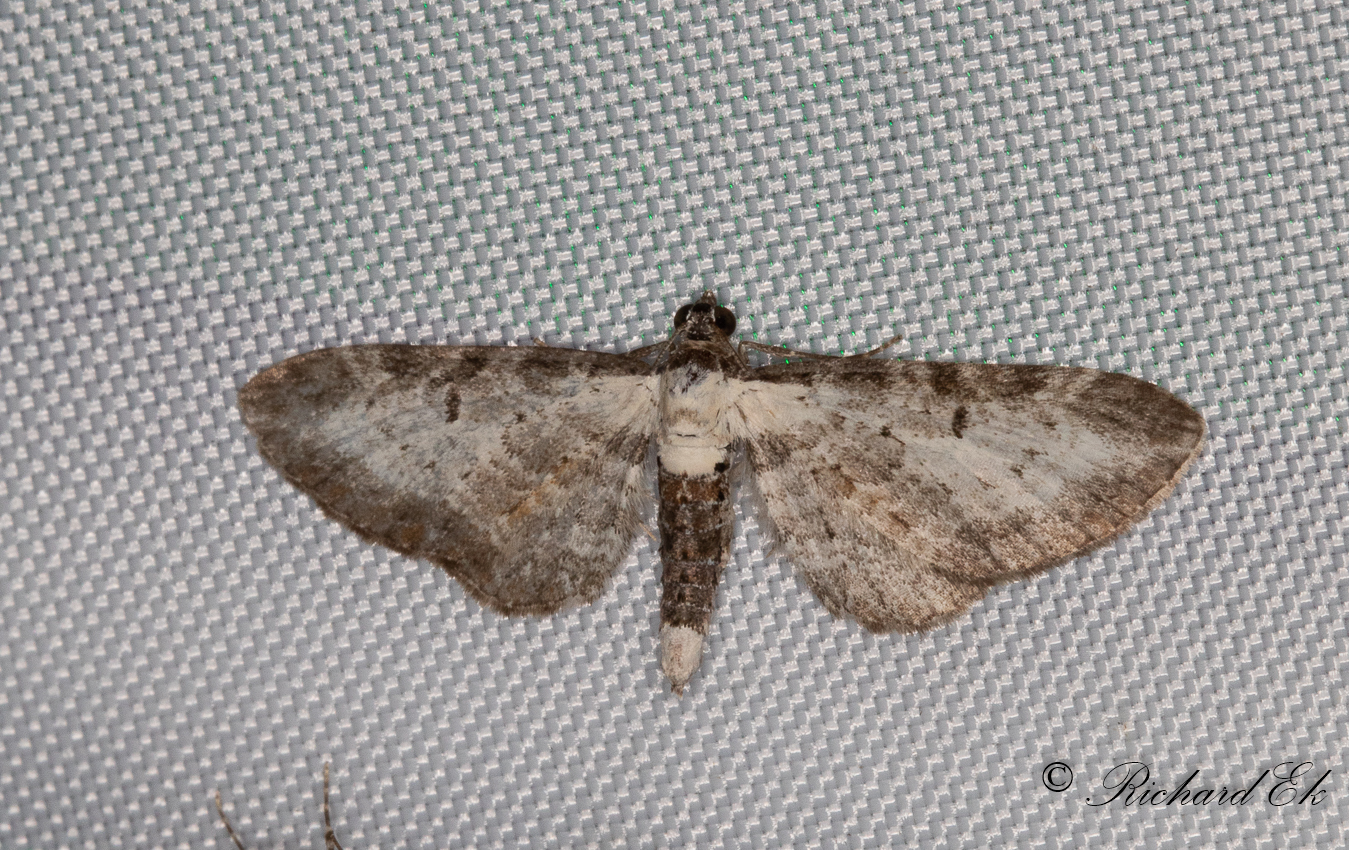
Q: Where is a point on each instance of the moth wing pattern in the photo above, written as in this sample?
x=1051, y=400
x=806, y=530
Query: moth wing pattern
x=520, y=471
x=903, y=490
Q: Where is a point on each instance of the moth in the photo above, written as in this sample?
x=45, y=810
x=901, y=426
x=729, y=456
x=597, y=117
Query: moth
x=901, y=490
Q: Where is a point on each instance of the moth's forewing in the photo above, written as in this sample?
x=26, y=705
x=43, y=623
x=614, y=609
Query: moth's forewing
x=518, y=470
x=903, y=490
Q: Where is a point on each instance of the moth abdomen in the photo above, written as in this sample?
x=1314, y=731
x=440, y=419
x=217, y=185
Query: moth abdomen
x=696, y=522
x=688, y=594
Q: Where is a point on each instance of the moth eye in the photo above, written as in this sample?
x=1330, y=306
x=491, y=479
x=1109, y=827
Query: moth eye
x=725, y=320
x=682, y=316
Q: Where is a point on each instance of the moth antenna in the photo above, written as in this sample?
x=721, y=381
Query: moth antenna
x=226, y=821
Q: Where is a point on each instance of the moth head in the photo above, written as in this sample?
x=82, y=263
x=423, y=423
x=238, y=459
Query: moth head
x=704, y=319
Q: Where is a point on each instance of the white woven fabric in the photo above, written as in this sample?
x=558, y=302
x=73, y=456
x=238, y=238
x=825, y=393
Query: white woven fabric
x=194, y=191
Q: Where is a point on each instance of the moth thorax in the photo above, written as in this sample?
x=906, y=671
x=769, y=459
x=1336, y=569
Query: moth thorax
x=692, y=396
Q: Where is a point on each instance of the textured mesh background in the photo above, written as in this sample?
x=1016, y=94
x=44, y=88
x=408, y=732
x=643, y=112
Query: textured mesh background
x=194, y=191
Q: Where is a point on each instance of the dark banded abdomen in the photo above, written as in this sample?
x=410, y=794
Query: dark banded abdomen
x=695, y=541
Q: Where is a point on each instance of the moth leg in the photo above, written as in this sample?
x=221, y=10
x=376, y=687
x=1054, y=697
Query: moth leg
x=779, y=351
x=226, y=821
x=637, y=353
x=810, y=355
x=647, y=350
x=877, y=350
x=329, y=837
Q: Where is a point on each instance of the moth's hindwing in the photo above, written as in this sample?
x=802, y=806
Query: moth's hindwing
x=518, y=470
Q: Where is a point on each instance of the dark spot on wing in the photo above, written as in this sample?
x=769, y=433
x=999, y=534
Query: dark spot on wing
x=401, y=361
x=543, y=365
x=945, y=377
x=451, y=404
x=1024, y=380
x=440, y=378
x=602, y=363
x=885, y=431
x=959, y=420
x=471, y=362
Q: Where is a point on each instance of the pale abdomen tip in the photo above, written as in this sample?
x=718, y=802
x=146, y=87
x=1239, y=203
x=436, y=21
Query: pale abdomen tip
x=681, y=648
